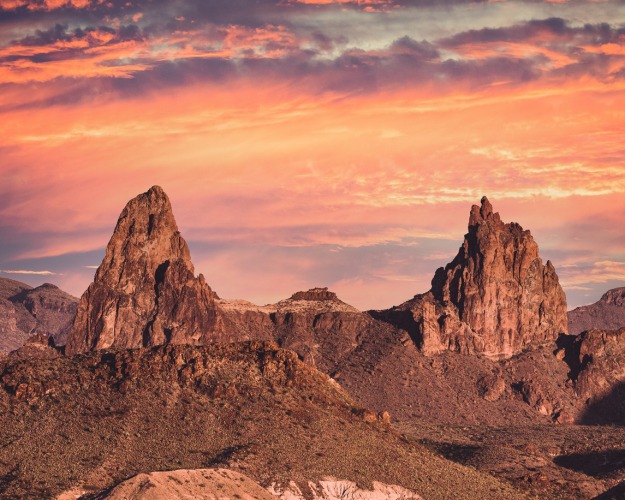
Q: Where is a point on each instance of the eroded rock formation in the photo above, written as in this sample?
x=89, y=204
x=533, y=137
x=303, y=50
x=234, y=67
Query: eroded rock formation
x=27, y=311
x=145, y=291
x=315, y=323
x=597, y=362
x=494, y=298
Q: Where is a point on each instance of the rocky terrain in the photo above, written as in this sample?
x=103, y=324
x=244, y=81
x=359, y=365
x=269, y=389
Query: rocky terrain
x=26, y=311
x=478, y=371
x=495, y=305
x=608, y=313
x=543, y=461
x=85, y=423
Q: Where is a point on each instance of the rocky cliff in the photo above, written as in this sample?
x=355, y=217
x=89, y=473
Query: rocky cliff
x=495, y=297
x=145, y=291
x=27, y=311
x=608, y=313
x=316, y=324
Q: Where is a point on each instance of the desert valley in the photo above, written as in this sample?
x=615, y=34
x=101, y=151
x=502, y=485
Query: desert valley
x=153, y=386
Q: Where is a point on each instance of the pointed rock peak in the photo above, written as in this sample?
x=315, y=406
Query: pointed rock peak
x=152, y=206
x=498, y=288
x=482, y=213
x=487, y=209
x=145, y=291
x=156, y=191
x=154, y=198
x=146, y=236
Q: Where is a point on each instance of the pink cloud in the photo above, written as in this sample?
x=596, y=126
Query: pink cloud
x=47, y=4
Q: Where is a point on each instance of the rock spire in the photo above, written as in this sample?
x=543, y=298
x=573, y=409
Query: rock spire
x=495, y=297
x=145, y=291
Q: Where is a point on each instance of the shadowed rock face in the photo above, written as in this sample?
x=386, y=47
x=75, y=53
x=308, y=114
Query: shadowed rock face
x=145, y=291
x=494, y=298
x=597, y=362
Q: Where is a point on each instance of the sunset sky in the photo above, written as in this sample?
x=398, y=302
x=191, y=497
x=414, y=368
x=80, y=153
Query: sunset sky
x=313, y=142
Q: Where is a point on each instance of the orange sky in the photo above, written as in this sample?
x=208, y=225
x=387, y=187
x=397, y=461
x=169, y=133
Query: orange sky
x=313, y=143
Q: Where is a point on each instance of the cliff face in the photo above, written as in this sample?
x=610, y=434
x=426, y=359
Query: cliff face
x=145, y=291
x=316, y=324
x=494, y=298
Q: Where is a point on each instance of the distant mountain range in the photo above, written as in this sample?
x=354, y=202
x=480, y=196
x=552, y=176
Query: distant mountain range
x=608, y=313
x=26, y=311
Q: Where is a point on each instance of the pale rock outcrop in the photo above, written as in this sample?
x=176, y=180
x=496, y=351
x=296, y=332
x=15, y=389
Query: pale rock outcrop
x=205, y=484
x=335, y=489
x=145, y=291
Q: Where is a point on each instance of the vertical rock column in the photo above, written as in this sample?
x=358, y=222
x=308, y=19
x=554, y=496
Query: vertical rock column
x=145, y=291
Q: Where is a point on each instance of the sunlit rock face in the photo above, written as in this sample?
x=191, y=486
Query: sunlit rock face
x=145, y=291
x=496, y=296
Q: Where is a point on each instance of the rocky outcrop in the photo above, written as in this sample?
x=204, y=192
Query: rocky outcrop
x=334, y=489
x=27, y=311
x=315, y=294
x=608, y=313
x=216, y=484
x=316, y=324
x=495, y=298
x=145, y=291
x=597, y=362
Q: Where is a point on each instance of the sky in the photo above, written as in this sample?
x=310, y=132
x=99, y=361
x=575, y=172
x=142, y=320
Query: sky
x=313, y=143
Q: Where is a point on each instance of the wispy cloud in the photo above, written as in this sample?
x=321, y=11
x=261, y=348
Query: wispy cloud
x=331, y=135
x=597, y=272
x=28, y=272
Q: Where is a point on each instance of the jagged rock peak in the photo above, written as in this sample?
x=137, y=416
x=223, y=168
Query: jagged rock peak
x=319, y=294
x=496, y=296
x=147, y=228
x=145, y=291
x=482, y=213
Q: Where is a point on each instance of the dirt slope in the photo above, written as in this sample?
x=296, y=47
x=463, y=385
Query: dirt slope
x=93, y=420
